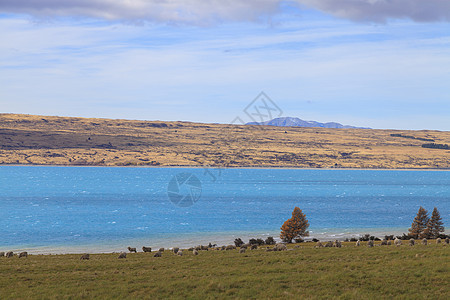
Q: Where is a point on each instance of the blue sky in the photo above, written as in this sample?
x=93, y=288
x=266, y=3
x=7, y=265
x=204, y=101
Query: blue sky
x=375, y=63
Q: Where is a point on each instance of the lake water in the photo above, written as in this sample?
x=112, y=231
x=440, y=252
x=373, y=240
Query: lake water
x=101, y=209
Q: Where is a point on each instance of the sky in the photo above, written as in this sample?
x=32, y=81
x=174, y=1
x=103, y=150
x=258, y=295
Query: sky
x=371, y=63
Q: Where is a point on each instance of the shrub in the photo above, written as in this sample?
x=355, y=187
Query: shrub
x=404, y=237
x=238, y=242
x=365, y=238
x=253, y=242
x=270, y=241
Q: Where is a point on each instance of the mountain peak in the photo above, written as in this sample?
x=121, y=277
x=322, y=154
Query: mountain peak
x=297, y=122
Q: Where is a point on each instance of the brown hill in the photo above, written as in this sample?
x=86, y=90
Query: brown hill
x=29, y=139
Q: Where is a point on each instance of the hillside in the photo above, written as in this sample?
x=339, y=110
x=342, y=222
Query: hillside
x=28, y=139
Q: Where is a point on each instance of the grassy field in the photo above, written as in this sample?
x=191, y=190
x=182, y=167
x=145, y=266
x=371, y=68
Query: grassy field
x=42, y=140
x=419, y=272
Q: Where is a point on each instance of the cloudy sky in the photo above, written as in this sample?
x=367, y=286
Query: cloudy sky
x=376, y=63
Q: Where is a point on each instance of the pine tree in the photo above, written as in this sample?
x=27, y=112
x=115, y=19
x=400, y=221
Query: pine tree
x=419, y=224
x=294, y=227
x=434, y=225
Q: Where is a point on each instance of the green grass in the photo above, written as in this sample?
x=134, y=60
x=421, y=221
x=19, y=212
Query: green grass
x=420, y=272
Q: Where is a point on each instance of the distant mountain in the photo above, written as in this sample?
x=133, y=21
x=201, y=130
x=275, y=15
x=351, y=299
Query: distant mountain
x=296, y=122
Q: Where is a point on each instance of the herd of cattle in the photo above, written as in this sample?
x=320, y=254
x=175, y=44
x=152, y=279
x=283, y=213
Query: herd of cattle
x=243, y=248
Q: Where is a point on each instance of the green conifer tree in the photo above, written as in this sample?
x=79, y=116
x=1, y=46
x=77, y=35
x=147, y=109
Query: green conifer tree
x=434, y=225
x=419, y=224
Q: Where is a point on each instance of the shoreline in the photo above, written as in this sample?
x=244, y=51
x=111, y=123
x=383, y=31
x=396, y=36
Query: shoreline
x=218, y=167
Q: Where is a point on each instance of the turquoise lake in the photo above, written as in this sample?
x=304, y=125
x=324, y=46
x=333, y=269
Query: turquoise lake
x=77, y=209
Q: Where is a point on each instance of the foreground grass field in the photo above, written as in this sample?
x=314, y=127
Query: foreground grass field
x=419, y=272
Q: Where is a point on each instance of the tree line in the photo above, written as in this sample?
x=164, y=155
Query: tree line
x=296, y=227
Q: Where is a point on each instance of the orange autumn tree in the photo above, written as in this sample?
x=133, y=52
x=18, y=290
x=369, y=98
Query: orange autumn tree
x=294, y=227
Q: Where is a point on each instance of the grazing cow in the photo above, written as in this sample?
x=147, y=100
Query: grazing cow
x=2, y=254
x=242, y=250
x=180, y=253
x=245, y=246
x=158, y=254
x=358, y=243
x=23, y=254
x=412, y=242
x=397, y=242
x=9, y=254
x=337, y=244
x=195, y=252
x=122, y=255
x=175, y=250
x=147, y=249
x=370, y=243
x=84, y=257
x=254, y=247
x=230, y=247
x=424, y=242
x=329, y=244
x=132, y=249
x=281, y=247
x=438, y=241
x=161, y=250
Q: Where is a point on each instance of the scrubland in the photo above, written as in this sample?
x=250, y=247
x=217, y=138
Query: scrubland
x=42, y=140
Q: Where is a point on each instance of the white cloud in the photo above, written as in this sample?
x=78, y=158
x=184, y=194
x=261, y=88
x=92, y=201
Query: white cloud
x=383, y=10
x=170, y=11
x=202, y=12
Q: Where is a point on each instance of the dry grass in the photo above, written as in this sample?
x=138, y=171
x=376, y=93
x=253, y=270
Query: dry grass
x=27, y=139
